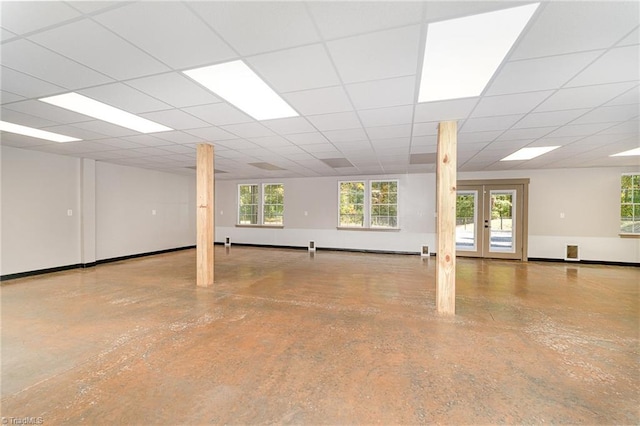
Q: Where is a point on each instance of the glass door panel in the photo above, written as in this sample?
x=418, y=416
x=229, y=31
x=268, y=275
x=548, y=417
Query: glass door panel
x=466, y=217
x=502, y=222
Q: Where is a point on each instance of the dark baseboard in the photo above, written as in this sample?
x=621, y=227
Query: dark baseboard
x=87, y=265
x=134, y=256
x=583, y=262
x=325, y=249
x=38, y=272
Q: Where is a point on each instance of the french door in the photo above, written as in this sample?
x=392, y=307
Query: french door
x=491, y=219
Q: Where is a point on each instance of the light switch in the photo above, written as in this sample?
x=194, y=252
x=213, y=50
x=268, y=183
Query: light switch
x=562, y=215
x=153, y=212
x=69, y=212
x=306, y=213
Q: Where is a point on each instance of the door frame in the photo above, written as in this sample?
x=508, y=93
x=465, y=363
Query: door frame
x=524, y=240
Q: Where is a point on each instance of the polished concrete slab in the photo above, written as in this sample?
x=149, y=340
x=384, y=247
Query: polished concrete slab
x=334, y=338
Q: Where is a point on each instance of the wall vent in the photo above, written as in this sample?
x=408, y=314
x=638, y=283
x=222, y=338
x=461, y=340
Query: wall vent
x=312, y=246
x=227, y=242
x=424, y=251
x=572, y=253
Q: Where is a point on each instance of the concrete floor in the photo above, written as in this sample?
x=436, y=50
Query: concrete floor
x=337, y=338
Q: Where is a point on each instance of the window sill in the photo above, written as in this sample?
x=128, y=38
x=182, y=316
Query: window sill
x=628, y=235
x=353, y=228
x=260, y=226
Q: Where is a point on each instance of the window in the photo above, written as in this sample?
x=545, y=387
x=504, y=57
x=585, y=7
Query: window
x=630, y=204
x=375, y=208
x=248, y=205
x=261, y=205
x=352, y=204
x=273, y=204
x=384, y=204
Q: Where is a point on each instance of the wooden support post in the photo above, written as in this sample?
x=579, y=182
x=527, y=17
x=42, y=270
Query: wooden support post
x=446, y=221
x=205, y=216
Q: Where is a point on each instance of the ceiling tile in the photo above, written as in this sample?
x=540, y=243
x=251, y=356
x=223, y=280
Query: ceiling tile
x=248, y=130
x=20, y=141
x=48, y=112
x=384, y=54
x=465, y=137
x=287, y=126
x=579, y=129
x=6, y=97
x=178, y=137
x=383, y=93
x=212, y=133
x=249, y=26
x=25, y=56
x=632, y=38
x=386, y=116
x=24, y=17
x=121, y=144
x=561, y=27
x=345, y=135
x=124, y=97
x=25, y=85
x=100, y=49
x=539, y=74
x=582, y=97
x=531, y=133
x=218, y=114
x=630, y=97
x=319, y=147
x=6, y=35
x=189, y=43
x=300, y=68
x=444, y=110
x=319, y=101
x=340, y=19
x=105, y=128
x=490, y=123
x=271, y=141
x=607, y=114
x=550, y=118
x=385, y=132
x=174, y=89
x=509, y=104
x=148, y=140
x=307, y=138
x=422, y=129
x=17, y=117
x=619, y=64
x=337, y=121
x=74, y=132
x=89, y=7
x=628, y=127
x=175, y=119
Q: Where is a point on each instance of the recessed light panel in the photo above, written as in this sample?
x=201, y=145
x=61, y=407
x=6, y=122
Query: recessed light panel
x=631, y=152
x=461, y=55
x=35, y=133
x=81, y=104
x=240, y=86
x=529, y=153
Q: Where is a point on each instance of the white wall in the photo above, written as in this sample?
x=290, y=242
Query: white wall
x=37, y=191
x=125, y=199
x=589, y=199
x=111, y=208
x=318, y=197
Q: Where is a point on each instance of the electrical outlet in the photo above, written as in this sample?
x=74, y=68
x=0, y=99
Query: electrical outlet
x=69, y=212
x=153, y=212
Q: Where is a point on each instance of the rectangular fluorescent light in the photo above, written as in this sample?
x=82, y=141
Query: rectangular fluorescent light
x=461, y=55
x=529, y=153
x=239, y=85
x=631, y=152
x=81, y=104
x=35, y=133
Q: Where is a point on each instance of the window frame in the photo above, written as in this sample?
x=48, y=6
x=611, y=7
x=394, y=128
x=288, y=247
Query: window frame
x=239, y=205
x=260, y=223
x=264, y=204
x=634, y=204
x=367, y=206
x=370, y=196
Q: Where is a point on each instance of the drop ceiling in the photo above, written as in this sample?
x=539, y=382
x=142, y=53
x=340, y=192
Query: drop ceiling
x=350, y=69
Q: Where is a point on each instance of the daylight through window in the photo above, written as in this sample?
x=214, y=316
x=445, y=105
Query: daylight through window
x=630, y=204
